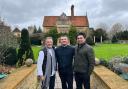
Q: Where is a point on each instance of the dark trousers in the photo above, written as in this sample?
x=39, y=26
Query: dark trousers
x=82, y=79
x=51, y=83
x=66, y=80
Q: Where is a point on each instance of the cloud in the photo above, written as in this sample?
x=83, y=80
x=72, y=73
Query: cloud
x=109, y=12
x=29, y=12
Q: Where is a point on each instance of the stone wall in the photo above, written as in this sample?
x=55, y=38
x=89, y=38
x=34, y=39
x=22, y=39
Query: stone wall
x=29, y=82
x=103, y=78
x=23, y=78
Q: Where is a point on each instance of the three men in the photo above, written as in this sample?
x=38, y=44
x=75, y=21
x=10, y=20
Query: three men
x=84, y=61
x=64, y=55
x=46, y=65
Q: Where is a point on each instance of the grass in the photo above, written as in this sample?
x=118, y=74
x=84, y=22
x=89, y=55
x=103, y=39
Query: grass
x=107, y=51
x=36, y=50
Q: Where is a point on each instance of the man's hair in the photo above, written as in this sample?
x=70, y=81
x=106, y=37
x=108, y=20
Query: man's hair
x=43, y=40
x=81, y=33
x=48, y=38
x=64, y=36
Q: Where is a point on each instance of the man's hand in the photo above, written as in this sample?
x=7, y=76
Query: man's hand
x=40, y=78
x=39, y=82
x=43, y=78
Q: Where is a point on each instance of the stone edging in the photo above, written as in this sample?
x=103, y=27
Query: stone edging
x=109, y=79
x=15, y=79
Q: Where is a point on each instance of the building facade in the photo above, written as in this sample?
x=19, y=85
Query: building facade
x=17, y=32
x=63, y=22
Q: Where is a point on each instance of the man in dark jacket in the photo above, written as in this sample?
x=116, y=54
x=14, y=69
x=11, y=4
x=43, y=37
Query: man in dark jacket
x=84, y=61
x=64, y=55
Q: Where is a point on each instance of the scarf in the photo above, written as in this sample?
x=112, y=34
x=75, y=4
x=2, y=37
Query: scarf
x=51, y=62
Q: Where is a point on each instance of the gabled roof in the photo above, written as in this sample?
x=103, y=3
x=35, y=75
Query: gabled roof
x=16, y=30
x=79, y=21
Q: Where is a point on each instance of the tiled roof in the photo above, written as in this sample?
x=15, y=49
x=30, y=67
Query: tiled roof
x=78, y=21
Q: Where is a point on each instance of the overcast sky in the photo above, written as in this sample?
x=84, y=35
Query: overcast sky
x=23, y=13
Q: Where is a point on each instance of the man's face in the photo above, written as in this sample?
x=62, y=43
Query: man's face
x=49, y=43
x=80, y=39
x=64, y=41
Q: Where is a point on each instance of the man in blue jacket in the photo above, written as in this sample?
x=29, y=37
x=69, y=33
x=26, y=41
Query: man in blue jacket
x=64, y=55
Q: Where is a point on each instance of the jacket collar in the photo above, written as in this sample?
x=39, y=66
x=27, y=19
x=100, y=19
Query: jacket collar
x=81, y=45
x=64, y=46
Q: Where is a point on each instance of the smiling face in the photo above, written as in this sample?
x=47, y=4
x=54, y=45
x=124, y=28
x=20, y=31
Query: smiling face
x=49, y=42
x=64, y=40
x=80, y=39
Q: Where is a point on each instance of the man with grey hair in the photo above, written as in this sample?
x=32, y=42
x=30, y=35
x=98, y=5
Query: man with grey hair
x=46, y=65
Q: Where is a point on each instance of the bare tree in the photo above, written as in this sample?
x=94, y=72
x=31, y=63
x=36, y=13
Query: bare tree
x=7, y=39
x=103, y=26
x=117, y=27
x=3, y=50
x=126, y=27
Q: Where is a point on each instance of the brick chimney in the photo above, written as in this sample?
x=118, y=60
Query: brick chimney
x=72, y=10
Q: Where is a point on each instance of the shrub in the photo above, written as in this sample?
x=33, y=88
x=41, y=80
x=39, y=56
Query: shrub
x=104, y=62
x=90, y=41
x=125, y=60
x=11, y=59
x=114, y=39
x=118, y=65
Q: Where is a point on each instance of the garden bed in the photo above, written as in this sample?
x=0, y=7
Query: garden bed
x=103, y=78
x=119, y=65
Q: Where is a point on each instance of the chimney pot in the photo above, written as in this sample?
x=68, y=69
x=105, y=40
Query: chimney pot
x=72, y=10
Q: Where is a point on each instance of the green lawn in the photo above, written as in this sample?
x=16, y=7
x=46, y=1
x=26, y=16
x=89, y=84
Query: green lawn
x=108, y=51
x=36, y=50
x=105, y=51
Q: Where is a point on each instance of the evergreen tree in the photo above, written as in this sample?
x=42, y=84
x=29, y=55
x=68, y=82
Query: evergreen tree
x=25, y=50
x=54, y=34
x=122, y=35
x=90, y=41
x=114, y=39
x=72, y=34
x=39, y=30
x=100, y=32
x=35, y=29
x=62, y=34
